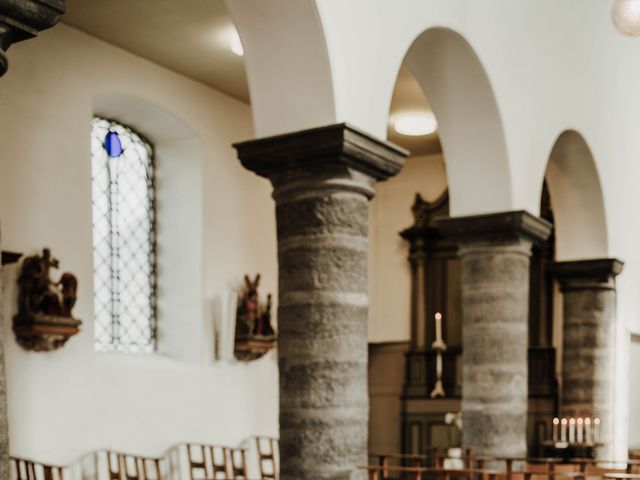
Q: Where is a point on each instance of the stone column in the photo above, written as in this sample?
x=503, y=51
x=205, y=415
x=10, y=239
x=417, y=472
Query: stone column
x=23, y=19
x=19, y=20
x=494, y=250
x=322, y=180
x=589, y=312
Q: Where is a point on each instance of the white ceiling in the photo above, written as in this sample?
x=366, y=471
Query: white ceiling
x=191, y=37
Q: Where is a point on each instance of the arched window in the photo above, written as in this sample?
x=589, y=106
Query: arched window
x=124, y=243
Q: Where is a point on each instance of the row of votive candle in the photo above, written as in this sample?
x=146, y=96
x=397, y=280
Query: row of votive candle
x=576, y=430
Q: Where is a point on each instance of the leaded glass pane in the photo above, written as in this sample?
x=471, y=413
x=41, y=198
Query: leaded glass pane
x=123, y=238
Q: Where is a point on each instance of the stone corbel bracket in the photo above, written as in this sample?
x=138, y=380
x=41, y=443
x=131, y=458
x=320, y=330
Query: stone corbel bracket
x=23, y=19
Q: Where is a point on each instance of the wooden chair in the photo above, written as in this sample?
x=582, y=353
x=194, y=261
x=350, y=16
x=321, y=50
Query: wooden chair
x=598, y=466
x=555, y=468
x=125, y=466
x=386, y=460
x=238, y=463
x=267, y=448
x=433, y=457
x=24, y=469
x=549, y=475
x=212, y=461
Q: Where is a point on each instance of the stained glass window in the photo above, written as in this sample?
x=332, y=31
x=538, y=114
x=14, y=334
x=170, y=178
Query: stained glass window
x=124, y=243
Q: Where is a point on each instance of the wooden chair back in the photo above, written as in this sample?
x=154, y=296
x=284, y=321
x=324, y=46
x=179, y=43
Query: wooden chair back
x=238, y=463
x=555, y=468
x=598, y=471
x=547, y=475
x=23, y=469
x=598, y=466
x=208, y=461
x=125, y=466
x=378, y=472
x=267, y=449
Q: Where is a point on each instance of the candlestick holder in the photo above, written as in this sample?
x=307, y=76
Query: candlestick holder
x=439, y=346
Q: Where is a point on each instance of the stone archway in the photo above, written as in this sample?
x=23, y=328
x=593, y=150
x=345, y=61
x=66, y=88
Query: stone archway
x=587, y=281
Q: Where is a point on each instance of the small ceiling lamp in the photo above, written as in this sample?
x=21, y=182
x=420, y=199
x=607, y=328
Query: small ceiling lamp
x=235, y=45
x=626, y=16
x=415, y=124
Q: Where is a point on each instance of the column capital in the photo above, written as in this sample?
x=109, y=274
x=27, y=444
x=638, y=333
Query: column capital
x=498, y=227
x=329, y=146
x=23, y=19
x=584, y=274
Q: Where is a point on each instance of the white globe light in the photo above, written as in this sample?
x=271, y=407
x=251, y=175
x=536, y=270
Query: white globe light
x=416, y=124
x=626, y=16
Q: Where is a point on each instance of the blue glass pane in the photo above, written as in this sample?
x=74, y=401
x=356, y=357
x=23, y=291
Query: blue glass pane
x=112, y=145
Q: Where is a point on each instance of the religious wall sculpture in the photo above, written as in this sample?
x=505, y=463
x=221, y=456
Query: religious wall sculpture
x=255, y=335
x=44, y=321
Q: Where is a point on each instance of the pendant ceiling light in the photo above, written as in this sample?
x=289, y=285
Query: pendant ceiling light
x=626, y=16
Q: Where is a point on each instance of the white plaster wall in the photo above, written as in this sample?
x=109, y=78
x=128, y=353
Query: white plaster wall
x=634, y=386
x=390, y=275
x=64, y=403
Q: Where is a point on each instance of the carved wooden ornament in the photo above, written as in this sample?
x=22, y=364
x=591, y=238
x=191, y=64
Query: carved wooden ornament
x=44, y=321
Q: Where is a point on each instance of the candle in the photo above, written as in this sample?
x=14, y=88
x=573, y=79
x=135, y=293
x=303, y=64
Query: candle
x=580, y=429
x=596, y=430
x=587, y=430
x=563, y=430
x=572, y=430
x=438, y=327
x=556, y=422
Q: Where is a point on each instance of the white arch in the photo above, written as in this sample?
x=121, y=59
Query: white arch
x=576, y=199
x=302, y=73
x=287, y=64
x=470, y=127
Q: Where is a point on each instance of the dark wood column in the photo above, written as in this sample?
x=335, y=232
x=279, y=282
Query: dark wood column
x=19, y=20
x=322, y=180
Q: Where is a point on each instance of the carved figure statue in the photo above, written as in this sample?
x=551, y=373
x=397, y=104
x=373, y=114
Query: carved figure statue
x=263, y=325
x=38, y=294
x=69, y=289
x=252, y=319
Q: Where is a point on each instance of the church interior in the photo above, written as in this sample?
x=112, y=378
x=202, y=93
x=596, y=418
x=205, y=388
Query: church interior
x=320, y=239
